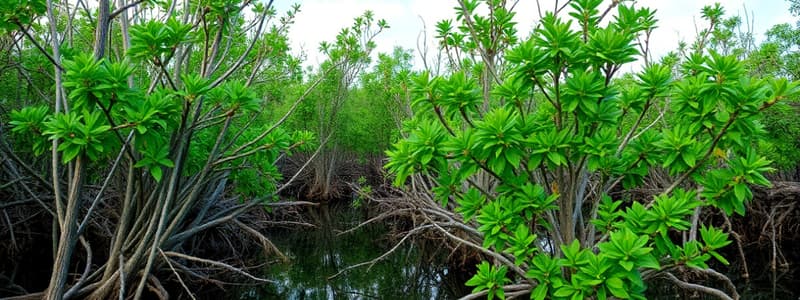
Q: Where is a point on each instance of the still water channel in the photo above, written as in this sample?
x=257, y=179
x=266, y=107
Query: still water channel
x=316, y=254
x=413, y=271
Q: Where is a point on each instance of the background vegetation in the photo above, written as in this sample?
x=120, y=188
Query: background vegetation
x=143, y=142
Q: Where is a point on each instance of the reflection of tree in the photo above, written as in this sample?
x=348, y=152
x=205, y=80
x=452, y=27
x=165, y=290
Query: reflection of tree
x=319, y=253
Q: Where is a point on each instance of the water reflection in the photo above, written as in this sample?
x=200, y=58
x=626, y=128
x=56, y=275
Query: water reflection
x=318, y=253
x=413, y=272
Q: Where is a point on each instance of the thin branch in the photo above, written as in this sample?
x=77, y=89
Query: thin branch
x=701, y=161
x=176, y=275
x=375, y=219
x=124, y=8
x=497, y=256
x=268, y=246
x=728, y=283
x=506, y=288
x=384, y=255
x=238, y=63
x=285, y=116
x=96, y=200
x=473, y=32
x=629, y=136
x=215, y=263
x=608, y=9
x=39, y=47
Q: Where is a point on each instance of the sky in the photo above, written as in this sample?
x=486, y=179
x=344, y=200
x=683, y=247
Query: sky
x=321, y=20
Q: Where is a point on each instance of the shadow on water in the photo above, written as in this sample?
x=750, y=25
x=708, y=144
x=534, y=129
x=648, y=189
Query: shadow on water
x=317, y=253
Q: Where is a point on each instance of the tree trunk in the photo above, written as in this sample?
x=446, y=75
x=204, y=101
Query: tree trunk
x=68, y=238
x=101, y=35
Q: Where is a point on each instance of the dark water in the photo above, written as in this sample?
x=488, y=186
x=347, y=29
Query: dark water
x=417, y=270
x=317, y=253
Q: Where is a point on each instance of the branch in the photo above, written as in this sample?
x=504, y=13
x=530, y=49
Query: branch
x=705, y=157
x=39, y=47
x=176, y=275
x=156, y=287
x=285, y=116
x=265, y=242
x=635, y=126
x=88, y=267
x=121, y=277
x=728, y=283
x=15, y=203
x=124, y=8
x=384, y=255
x=233, y=212
x=473, y=32
x=608, y=9
x=238, y=63
x=96, y=200
x=506, y=288
x=497, y=256
x=696, y=287
x=103, y=27
x=215, y=263
x=380, y=217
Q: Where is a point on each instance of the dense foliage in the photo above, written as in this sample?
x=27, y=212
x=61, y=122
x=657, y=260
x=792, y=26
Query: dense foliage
x=138, y=125
x=165, y=103
x=534, y=163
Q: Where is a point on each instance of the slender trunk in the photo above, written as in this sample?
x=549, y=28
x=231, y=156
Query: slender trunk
x=58, y=276
x=60, y=105
x=68, y=238
x=330, y=171
x=124, y=224
x=101, y=35
x=126, y=39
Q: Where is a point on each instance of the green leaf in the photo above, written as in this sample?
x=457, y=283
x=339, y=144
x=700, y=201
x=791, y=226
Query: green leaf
x=573, y=254
x=740, y=190
x=69, y=153
x=564, y=291
x=156, y=172
x=626, y=264
x=166, y=162
x=648, y=261
x=540, y=292
x=719, y=257
x=617, y=288
x=688, y=158
x=602, y=294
